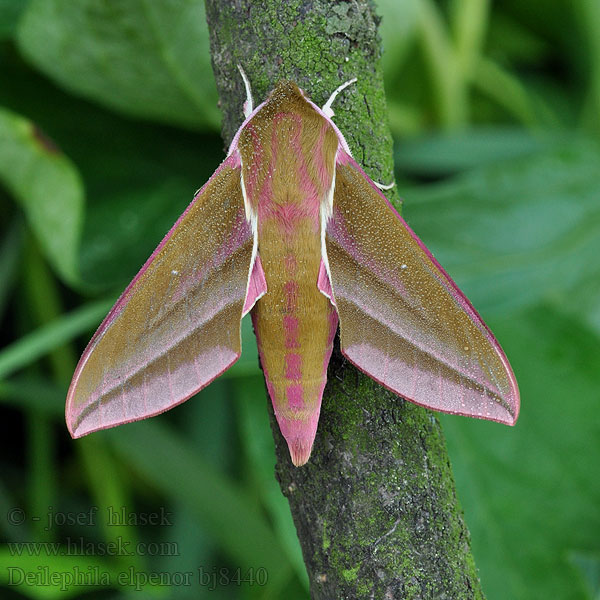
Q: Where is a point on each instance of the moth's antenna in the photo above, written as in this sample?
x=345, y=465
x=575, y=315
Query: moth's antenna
x=327, y=106
x=249, y=104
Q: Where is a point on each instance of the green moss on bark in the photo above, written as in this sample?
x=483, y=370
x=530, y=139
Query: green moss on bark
x=375, y=507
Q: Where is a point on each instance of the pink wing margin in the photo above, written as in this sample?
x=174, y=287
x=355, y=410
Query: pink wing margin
x=403, y=321
x=176, y=327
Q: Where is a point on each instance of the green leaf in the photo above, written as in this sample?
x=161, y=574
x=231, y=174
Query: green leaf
x=257, y=439
x=230, y=514
x=206, y=423
x=147, y=59
x=10, y=255
x=589, y=566
x=52, y=577
x=139, y=176
x=10, y=11
x=398, y=23
x=32, y=346
x=37, y=394
x=124, y=227
x=442, y=154
x=133, y=207
x=48, y=188
x=531, y=493
x=520, y=232
x=248, y=361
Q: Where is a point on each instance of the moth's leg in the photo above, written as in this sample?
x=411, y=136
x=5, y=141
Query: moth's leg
x=248, y=104
x=384, y=187
x=327, y=106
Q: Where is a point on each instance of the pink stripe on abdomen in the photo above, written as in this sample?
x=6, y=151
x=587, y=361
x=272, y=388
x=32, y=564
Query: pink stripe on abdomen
x=293, y=366
x=290, y=327
x=295, y=396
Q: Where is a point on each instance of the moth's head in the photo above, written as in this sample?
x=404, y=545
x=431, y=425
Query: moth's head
x=286, y=94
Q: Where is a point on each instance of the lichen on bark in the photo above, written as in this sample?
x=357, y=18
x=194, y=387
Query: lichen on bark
x=375, y=508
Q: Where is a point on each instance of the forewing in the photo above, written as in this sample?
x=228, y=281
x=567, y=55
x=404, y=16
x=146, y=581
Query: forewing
x=177, y=325
x=403, y=321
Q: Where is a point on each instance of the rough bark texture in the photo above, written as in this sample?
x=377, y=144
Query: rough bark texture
x=375, y=508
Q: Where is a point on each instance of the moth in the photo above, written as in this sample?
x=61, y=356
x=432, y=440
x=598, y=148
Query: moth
x=292, y=230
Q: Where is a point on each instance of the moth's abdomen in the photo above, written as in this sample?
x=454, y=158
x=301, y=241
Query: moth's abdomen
x=288, y=160
x=294, y=322
x=295, y=325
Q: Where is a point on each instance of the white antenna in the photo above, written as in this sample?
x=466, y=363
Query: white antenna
x=249, y=104
x=327, y=106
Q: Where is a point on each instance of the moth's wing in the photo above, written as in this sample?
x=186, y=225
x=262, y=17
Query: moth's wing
x=403, y=321
x=177, y=325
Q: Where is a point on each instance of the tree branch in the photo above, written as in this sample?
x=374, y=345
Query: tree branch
x=375, y=508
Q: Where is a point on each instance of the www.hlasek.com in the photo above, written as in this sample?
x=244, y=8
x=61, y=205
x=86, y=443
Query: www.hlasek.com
x=82, y=547
x=95, y=576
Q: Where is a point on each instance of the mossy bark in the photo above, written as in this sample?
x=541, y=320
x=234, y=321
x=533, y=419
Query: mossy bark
x=375, y=508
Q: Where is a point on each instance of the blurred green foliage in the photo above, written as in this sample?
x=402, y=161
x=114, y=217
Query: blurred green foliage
x=108, y=123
